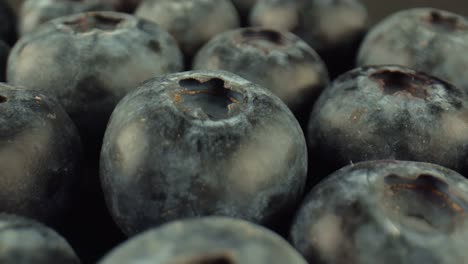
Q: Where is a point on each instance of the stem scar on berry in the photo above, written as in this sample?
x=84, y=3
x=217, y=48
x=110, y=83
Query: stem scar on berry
x=445, y=22
x=396, y=82
x=216, y=258
x=425, y=199
x=210, y=99
x=93, y=21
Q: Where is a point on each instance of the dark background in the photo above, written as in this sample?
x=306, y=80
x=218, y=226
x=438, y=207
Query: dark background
x=379, y=8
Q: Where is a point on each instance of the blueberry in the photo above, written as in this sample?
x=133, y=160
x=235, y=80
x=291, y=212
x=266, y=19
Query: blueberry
x=333, y=28
x=25, y=241
x=39, y=155
x=7, y=23
x=201, y=143
x=278, y=61
x=34, y=13
x=207, y=240
x=389, y=112
x=191, y=22
x=385, y=212
x=426, y=39
x=90, y=61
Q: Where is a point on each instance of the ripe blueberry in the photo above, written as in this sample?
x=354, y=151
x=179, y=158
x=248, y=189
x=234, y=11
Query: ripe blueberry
x=385, y=212
x=90, y=61
x=207, y=240
x=389, y=112
x=201, y=143
x=26, y=241
x=40, y=152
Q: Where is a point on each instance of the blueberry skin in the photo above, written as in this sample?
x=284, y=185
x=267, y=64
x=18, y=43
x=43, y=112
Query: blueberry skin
x=206, y=240
x=191, y=22
x=389, y=112
x=34, y=13
x=426, y=39
x=278, y=61
x=201, y=143
x=40, y=151
x=90, y=61
x=24, y=241
x=7, y=23
x=385, y=212
x=333, y=28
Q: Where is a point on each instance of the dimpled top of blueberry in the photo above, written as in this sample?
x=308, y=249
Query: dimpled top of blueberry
x=263, y=38
x=209, y=99
x=95, y=21
x=445, y=22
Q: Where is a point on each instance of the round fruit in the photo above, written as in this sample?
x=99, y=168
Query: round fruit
x=385, y=212
x=201, y=143
x=26, y=241
x=40, y=151
x=90, y=61
x=389, y=112
x=214, y=240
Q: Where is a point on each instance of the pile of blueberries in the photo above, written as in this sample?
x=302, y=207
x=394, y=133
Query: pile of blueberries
x=232, y=132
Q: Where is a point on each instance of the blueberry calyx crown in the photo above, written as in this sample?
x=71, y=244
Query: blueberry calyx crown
x=217, y=258
x=263, y=39
x=425, y=202
x=208, y=99
x=263, y=34
x=91, y=21
x=394, y=82
x=445, y=23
